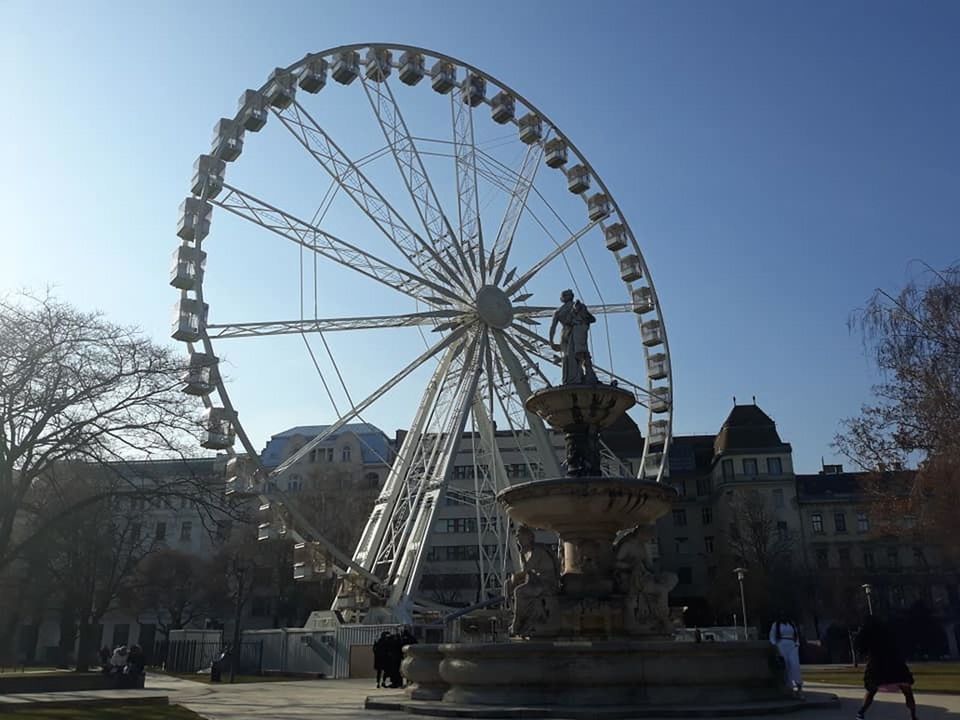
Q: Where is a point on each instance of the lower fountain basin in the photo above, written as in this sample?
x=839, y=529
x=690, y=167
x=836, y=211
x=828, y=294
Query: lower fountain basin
x=597, y=506
x=610, y=673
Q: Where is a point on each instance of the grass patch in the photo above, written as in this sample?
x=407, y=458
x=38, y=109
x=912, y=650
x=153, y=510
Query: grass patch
x=928, y=677
x=119, y=712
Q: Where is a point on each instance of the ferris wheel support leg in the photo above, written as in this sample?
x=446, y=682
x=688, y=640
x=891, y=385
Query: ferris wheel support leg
x=437, y=477
x=490, y=517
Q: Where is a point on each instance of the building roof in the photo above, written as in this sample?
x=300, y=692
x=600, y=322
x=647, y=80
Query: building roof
x=845, y=486
x=374, y=444
x=690, y=454
x=624, y=438
x=747, y=427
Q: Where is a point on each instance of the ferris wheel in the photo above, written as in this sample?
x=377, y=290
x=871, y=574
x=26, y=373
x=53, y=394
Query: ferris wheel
x=457, y=220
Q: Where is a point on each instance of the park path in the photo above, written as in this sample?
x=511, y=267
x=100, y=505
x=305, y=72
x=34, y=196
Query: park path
x=343, y=700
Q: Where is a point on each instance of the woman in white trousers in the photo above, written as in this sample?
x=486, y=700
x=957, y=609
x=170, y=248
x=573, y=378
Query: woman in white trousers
x=784, y=637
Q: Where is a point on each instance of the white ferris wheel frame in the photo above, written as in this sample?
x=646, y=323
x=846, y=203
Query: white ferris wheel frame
x=448, y=274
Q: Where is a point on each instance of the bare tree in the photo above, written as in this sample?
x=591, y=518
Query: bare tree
x=75, y=387
x=92, y=555
x=913, y=338
x=175, y=586
x=757, y=541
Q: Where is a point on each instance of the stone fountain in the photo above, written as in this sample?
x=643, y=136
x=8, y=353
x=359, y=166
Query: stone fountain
x=590, y=620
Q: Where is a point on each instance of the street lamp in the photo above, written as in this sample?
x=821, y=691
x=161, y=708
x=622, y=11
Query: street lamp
x=868, y=591
x=741, y=573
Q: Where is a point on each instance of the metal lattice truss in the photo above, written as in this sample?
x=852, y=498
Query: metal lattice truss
x=459, y=267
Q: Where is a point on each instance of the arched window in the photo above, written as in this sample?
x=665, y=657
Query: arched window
x=345, y=454
x=373, y=479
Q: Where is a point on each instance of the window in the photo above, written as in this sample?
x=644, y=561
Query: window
x=840, y=522
x=345, y=454
x=373, y=479
x=313, y=455
x=708, y=544
x=186, y=530
x=778, y=498
x=893, y=558
x=727, y=468
x=684, y=575
x=774, y=466
x=817, y=520
x=681, y=487
x=706, y=515
x=750, y=467
x=704, y=485
x=161, y=531
x=680, y=517
x=329, y=454
x=868, y=561
x=681, y=545
x=844, y=554
x=823, y=558
x=863, y=522
x=294, y=484
x=459, y=525
x=783, y=532
x=909, y=521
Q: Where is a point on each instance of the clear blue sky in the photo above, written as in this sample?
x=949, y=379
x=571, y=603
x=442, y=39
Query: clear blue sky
x=777, y=160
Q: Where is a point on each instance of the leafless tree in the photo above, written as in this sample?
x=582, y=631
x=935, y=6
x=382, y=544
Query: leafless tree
x=756, y=541
x=913, y=338
x=175, y=587
x=76, y=388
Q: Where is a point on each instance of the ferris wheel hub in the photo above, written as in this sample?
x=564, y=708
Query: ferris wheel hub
x=494, y=307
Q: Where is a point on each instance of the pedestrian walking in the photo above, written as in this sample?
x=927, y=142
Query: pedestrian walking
x=785, y=637
x=381, y=652
x=886, y=670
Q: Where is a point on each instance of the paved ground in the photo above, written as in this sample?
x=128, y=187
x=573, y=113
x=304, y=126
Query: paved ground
x=343, y=700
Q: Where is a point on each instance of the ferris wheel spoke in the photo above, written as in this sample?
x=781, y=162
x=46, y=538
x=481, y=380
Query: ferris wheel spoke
x=549, y=257
x=544, y=311
x=451, y=339
x=439, y=230
x=329, y=246
x=471, y=232
x=521, y=383
x=319, y=325
x=355, y=184
x=500, y=252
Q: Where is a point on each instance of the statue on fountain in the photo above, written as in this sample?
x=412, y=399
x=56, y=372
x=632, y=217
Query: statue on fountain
x=533, y=589
x=646, y=591
x=575, y=319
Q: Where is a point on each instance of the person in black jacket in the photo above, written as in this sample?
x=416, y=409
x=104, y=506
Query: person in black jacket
x=885, y=669
x=394, y=658
x=381, y=661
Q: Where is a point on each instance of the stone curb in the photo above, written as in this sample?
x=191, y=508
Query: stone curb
x=812, y=701
x=15, y=705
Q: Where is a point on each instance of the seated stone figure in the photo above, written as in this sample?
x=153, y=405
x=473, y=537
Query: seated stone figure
x=533, y=589
x=647, y=592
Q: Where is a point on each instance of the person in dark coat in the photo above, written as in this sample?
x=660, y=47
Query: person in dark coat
x=885, y=669
x=381, y=662
x=395, y=657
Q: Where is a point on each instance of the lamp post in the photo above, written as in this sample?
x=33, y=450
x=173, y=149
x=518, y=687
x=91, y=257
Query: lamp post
x=741, y=573
x=868, y=591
